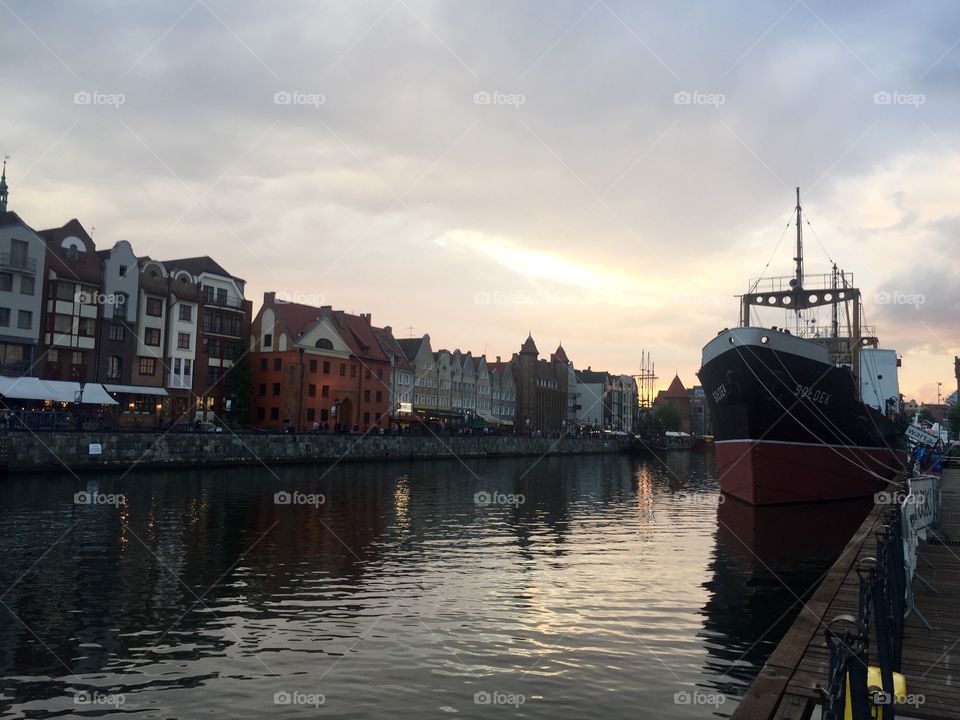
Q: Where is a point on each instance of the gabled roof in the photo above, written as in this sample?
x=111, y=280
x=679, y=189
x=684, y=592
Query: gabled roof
x=197, y=265
x=298, y=318
x=389, y=344
x=592, y=376
x=357, y=332
x=676, y=389
x=410, y=347
x=10, y=218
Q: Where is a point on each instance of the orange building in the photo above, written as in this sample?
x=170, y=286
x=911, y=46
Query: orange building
x=317, y=365
x=678, y=397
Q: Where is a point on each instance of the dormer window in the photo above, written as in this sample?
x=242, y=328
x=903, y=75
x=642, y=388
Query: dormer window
x=324, y=344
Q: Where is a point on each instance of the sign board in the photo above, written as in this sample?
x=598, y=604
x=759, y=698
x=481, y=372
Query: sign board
x=404, y=407
x=95, y=449
x=919, y=435
x=925, y=500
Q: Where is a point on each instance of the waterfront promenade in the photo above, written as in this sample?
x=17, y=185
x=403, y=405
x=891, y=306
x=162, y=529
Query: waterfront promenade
x=785, y=689
x=28, y=452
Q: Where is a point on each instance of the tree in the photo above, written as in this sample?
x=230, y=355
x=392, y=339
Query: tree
x=240, y=391
x=668, y=417
x=953, y=420
x=925, y=415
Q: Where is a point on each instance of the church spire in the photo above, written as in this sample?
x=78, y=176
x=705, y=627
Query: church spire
x=3, y=186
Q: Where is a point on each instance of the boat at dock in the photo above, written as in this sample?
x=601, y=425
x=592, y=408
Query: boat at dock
x=804, y=414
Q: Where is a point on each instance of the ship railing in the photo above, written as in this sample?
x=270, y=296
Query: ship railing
x=818, y=281
x=825, y=332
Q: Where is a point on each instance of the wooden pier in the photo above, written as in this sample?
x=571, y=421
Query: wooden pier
x=785, y=687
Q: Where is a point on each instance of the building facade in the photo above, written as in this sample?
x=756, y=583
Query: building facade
x=318, y=365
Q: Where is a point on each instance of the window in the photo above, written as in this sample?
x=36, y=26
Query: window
x=4, y=317
x=312, y=390
x=311, y=414
x=26, y=285
x=324, y=415
x=277, y=363
x=53, y=355
x=24, y=319
x=379, y=396
x=326, y=367
x=183, y=341
x=120, y=306
x=324, y=344
x=123, y=271
x=268, y=340
x=176, y=366
x=263, y=363
x=379, y=373
x=207, y=294
x=187, y=366
x=62, y=324
x=18, y=253
x=276, y=389
x=221, y=296
x=155, y=307
x=366, y=419
x=366, y=396
x=77, y=357
x=6, y=282
x=367, y=374
x=63, y=290
x=262, y=390
x=147, y=366
x=86, y=327
x=186, y=313
x=353, y=371
x=261, y=413
x=151, y=336
x=313, y=366
x=274, y=413
x=325, y=391
x=113, y=367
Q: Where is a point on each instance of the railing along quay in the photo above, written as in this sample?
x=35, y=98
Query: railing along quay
x=871, y=643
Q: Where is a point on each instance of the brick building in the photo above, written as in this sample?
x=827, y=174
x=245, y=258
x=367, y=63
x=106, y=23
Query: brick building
x=316, y=364
x=541, y=387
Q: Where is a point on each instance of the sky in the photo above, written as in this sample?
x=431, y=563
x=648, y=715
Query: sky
x=605, y=174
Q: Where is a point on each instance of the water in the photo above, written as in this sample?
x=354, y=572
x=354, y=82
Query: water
x=617, y=587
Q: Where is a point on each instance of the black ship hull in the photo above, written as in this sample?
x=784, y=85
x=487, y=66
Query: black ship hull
x=788, y=424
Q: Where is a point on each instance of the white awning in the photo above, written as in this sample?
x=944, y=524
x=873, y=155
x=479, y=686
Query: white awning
x=136, y=389
x=30, y=388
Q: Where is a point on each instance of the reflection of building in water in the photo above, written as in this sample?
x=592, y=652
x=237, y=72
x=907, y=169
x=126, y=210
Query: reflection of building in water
x=766, y=557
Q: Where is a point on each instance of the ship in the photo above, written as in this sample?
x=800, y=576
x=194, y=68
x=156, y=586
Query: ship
x=809, y=412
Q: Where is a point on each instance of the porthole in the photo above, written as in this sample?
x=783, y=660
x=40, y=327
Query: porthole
x=828, y=297
x=771, y=300
x=787, y=300
x=765, y=339
x=813, y=298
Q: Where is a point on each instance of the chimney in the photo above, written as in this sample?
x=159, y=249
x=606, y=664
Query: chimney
x=498, y=358
x=387, y=329
x=269, y=297
x=365, y=316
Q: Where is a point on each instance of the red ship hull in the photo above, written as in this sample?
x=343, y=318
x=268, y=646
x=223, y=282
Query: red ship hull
x=774, y=473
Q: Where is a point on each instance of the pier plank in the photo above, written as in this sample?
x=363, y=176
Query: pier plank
x=785, y=687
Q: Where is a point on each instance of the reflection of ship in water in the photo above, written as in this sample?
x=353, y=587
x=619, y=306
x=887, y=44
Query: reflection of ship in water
x=767, y=560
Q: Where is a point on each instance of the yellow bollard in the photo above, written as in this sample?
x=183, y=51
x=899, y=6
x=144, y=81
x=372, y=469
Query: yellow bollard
x=874, y=688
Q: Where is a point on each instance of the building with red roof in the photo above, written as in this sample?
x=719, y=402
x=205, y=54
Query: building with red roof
x=318, y=365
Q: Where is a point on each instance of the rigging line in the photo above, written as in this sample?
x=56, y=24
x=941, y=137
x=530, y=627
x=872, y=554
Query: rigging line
x=850, y=460
x=819, y=242
x=830, y=425
x=770, y=259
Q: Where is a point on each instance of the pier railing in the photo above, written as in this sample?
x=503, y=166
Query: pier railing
x=853, y=684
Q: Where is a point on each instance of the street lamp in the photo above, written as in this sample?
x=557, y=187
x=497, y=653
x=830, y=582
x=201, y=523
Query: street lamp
x=78, y=397
x=938, y=392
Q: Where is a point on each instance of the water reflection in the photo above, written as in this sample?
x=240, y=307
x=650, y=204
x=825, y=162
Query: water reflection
x=613, y=584
x=768, y=561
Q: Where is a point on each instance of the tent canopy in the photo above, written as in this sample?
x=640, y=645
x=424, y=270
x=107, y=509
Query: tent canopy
x=29, y=388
